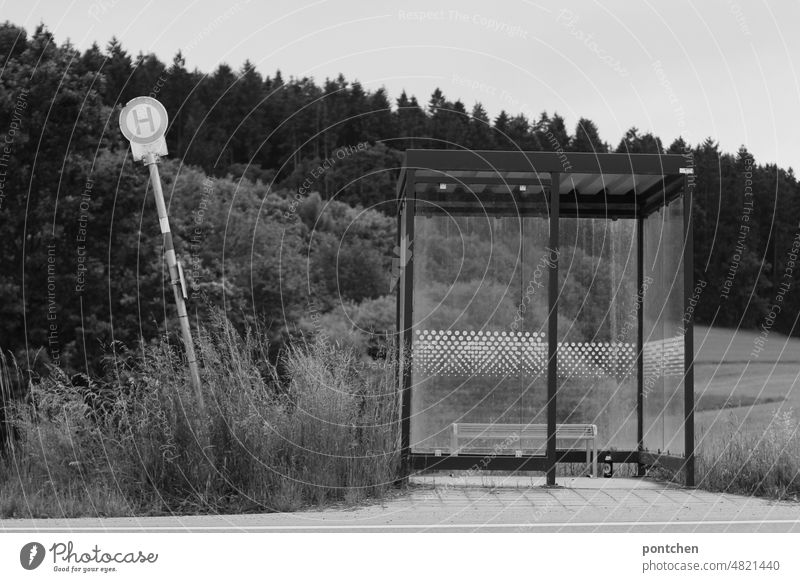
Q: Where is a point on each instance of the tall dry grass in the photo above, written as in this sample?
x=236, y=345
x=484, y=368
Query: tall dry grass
x=749, y=461
x=318, y=428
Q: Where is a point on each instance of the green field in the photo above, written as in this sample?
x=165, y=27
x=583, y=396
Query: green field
x=732, y=386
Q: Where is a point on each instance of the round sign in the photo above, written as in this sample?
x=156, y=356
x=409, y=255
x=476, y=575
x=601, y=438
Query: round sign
x=143, y=120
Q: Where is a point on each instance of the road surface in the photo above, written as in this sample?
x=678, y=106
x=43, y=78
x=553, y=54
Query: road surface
x=489, y=504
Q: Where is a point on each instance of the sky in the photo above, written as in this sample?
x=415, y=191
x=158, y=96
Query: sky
x=721, y=68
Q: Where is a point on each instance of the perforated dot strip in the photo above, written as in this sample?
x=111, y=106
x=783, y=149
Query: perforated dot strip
x=505, y=353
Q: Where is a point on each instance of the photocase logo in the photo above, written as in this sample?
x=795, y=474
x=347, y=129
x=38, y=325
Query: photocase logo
x=31, y=555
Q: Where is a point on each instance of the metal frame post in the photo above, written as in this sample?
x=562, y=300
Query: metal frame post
x=552, y=330
x=151, y=161
x=399, y=354
x=641, y=471
x=406, y=331
x=688, y=335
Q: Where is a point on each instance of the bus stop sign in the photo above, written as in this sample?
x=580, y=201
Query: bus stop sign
x=143, y=122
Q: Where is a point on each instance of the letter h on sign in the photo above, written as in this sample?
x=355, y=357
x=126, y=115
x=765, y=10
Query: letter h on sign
x=140, y=120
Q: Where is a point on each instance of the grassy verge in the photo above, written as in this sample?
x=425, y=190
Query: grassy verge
x=763, y=462
x=323, y=430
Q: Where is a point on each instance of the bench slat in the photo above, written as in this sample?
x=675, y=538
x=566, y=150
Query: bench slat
x=535, y=430
x=477, y=431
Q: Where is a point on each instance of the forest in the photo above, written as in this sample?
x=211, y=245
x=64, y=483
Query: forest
x=281, y=192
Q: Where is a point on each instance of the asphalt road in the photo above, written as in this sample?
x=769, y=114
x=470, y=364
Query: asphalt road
x=498, y=504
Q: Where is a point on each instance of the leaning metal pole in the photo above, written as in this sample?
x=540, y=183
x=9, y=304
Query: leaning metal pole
x=151, y=161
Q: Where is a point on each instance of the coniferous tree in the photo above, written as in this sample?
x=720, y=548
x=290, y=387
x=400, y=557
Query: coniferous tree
x=479, y=133
x=248, y=109
x=519, y=133
x=117, y=70
x=555, y=135
x=456, y=125
x=501, y=138
x=635, y=143
x=587, y=138
x=379, y=121
x=412, y=123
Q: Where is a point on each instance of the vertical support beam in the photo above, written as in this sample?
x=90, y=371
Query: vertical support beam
x=640, y=338
x=407, y=321
x=398, y=336
x=688, y=336
x=552, y=329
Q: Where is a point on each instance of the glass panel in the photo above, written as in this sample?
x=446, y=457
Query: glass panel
x=477, y=347
x=673, y=330
x=530, y=321
x=653, y=300
x=597, y=328
x=663, y=330
x=401, y=288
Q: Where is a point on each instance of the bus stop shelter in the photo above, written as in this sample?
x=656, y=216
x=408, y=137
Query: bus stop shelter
x=542, y=310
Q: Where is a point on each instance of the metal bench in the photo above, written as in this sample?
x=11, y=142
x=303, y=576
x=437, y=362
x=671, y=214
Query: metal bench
x=516, y=433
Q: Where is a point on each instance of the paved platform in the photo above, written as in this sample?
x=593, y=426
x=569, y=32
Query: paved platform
x=502, y=504
x=491, y=481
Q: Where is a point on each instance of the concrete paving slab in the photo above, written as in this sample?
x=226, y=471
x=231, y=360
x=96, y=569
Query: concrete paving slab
x=492, y=481
x=581, y=505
